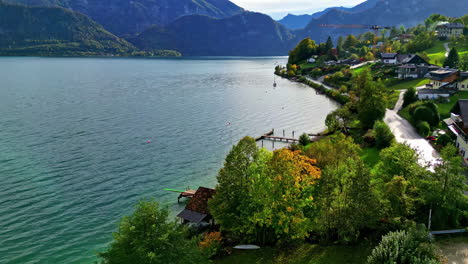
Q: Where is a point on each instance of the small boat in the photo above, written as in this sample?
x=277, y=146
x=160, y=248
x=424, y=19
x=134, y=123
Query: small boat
x=274, y=84
x=246, y=247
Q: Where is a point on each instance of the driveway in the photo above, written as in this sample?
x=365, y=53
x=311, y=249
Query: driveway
x=405, y=133
x=447, y=48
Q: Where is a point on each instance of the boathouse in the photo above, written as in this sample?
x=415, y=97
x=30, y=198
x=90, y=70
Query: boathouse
x=197, y=210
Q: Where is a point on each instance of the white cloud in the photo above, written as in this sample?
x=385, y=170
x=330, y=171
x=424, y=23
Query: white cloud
x=279, y=8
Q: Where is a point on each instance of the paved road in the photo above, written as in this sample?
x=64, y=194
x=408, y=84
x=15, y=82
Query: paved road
x=405, y=133
x=319, y=82
x=446, y=45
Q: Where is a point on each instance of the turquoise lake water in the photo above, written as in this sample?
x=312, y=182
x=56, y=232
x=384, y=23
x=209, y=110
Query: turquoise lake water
x=74, y=156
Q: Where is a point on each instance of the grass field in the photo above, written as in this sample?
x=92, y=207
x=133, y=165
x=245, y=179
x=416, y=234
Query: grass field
x=436, y=54
x=444, y=108
x=408, y=84
x=304, y=254
x=363, y=68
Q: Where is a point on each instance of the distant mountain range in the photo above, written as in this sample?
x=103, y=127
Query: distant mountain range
x=54, y=31
x=129, y=17
x=193, y=27
x=384, y=13
x=248, y=34
x=300, y=21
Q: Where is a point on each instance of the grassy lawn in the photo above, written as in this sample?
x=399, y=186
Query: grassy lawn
x=408, y=84
x=445, y=108
x=370, y=156
x=392, y=98
x=438, y=47
x=454, y=248
x=363, y=68
x=304, y=254
x=306, y=66
x=437, y=53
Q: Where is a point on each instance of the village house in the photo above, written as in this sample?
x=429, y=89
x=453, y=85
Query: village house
x=432, y=94
x=450, y=30
x=197, y=211
x=462, y=84
x=458, y=125
x=389, y=58
x=443, y=78
x=413, y=66
x=414, y=71
x=404, y=38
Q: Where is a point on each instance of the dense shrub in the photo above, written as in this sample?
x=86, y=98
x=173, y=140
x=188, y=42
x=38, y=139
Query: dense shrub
x=211, y=245
x=304, y=140
x=405, y=247
x=383, y=135
x=444, y=140
x=410, y=97
x=427, y=112
x=424, y=129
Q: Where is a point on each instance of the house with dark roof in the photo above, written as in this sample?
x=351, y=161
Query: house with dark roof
x=197, y=211
x=449, y=30
x=389, y=58
x=458, y=125
x=443, y=78
x=413, y=66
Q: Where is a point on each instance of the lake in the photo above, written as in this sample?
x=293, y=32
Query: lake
x=83, y=139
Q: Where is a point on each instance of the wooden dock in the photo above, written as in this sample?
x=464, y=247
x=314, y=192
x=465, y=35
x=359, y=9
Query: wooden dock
x=282, y=139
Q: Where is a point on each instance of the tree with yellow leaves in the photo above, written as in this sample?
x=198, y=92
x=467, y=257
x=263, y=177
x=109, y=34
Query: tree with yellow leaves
x=285, y=190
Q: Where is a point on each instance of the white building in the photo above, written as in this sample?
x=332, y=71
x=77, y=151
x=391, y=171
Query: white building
x=389, y=58
x=458, y=125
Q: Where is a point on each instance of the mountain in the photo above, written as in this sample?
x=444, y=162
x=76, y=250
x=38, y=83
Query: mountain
x=384, y=13
x=129, y=17
x=54, y=31
x=246, y=34
x=300, y=21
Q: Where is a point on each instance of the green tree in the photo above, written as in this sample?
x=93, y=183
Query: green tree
x=399, y=160
x=428, y=113
x=339, y=119
x=463, y=64
x=372, y=103
x=453, y=59
x=331, y=150
x=328, y=45
x=405, y=247
x=303, y=51
x=304, y=140
x=424, y=129
x=346, y=200
x=446, y=188
x=147, y=237
x=370, y=56
x=230, y=204
x=350, y=41
x=410, y=96
x=383, y=135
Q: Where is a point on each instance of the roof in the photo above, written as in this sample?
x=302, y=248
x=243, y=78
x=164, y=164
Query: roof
x=197, y=208
x=441, y=74
x=411, y=58
x=199, y=202
x=388, y=55
x=192, y=216
x=451, y=25
x=432, y=91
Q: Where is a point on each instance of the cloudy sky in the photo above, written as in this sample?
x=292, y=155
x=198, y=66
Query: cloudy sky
x=279, y=8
